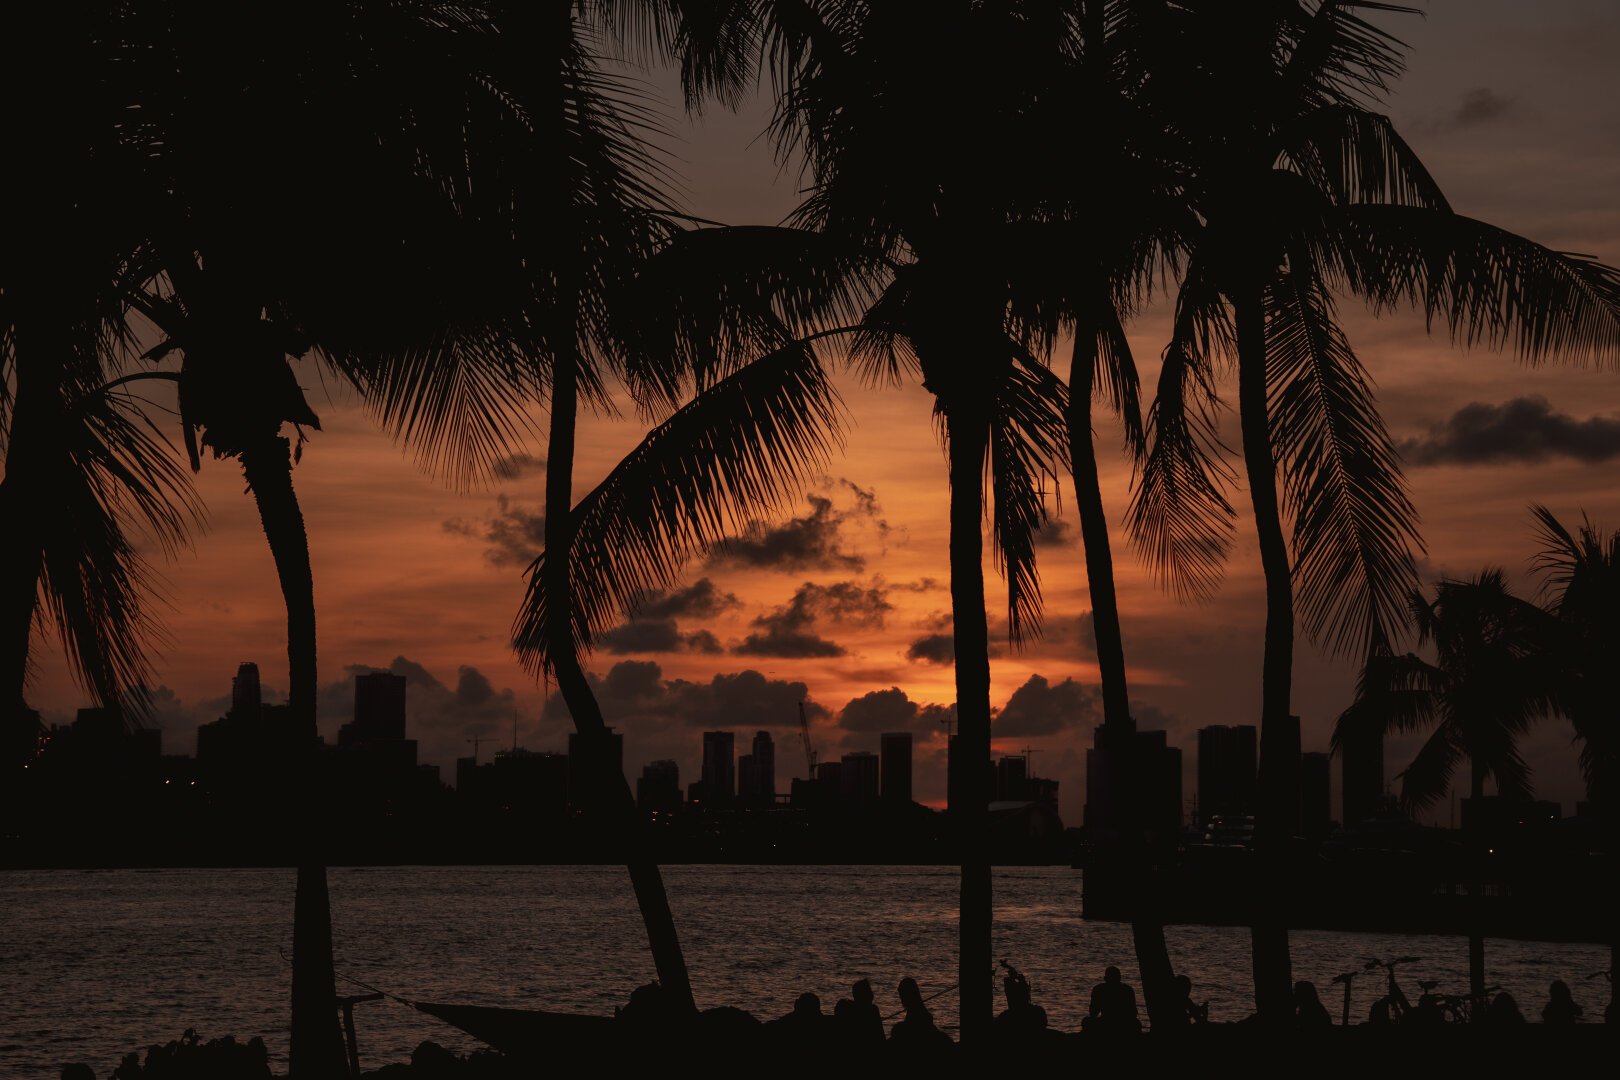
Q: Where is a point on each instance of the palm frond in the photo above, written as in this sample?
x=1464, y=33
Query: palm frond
x=1028, y=444
x=737, y=451
x=1355, y=527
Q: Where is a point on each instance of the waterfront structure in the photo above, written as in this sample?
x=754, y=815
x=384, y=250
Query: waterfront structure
x=1228, y=759
x=719, y=768
x=895, y=750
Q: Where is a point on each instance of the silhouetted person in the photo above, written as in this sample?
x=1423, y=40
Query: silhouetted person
x=1561, y=1009
x=1113, y=1006
x=1182, y=1006
x=1503, y=1011
x=1022, y=1020
x=916, y=1030
x=866, y=1023
x=1309, y=1012
x=806, y=1017
x=646, y=1007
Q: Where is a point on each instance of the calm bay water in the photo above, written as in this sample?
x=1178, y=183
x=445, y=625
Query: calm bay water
x=94, y=964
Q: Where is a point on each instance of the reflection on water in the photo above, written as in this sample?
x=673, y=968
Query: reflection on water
x=98, y=963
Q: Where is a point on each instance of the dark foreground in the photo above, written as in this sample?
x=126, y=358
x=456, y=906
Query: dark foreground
x=732, y=1035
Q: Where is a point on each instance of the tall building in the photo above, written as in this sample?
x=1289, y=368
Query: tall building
x=1228, y=760
x=1133, y=782
x=582, y=769
x=858, y=778
x=895, y=747
x=379, y=709
x=1361, y=753
x=246, y=697
x=1315, y=795
x=764, y=755
x=659, y=786
x=1012, y=779
x=719, y=768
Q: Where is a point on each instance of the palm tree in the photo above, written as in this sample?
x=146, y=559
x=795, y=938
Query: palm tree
x=1582, y=577
x=1303, y=189
x=1490, y=679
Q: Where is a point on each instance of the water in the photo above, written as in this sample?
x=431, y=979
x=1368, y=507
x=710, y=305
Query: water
x=99, y=963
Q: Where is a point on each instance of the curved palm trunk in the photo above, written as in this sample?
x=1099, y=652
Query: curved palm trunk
x=317, y=1049
x=611, y=796
x=967, y=433
x=1476, y=903
x=1269, y=937
x=1147, y=931
x=21, y=550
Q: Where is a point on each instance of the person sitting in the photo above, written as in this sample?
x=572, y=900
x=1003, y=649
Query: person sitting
x=1113, y=1006
x=1183, y=1011
x=1561, y=1009
x=865, y=1022
x=1022, y=1020
x=806, y=1017
x=1309, y=1012
x=1503, y=1011
x=917, y=1029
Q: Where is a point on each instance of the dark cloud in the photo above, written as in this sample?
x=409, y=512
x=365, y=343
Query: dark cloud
x=811, y=542
x=515, y=466
x=1053, y=533
x=932, y=649
x=634, y=693
x=515, y=536
x=789, y=630
x=891, y=710
x=1040, y=708
x=1480, y=105
x=1522, y=429
x=437, y=715
x=702, y=598
x=656, y=636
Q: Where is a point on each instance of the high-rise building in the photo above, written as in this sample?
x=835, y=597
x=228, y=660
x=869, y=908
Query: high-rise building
x=1228, y=762
x=1361, y=751
x=858, y=778
x=659, y=786
x=895, y=747
x=379, y=709
x=719, y=768
x=1315, y=795
x=747, y=780
x=1133, y=783
x=1012, y=779
x=764, y=788
x=246, y=697
x=583, y=770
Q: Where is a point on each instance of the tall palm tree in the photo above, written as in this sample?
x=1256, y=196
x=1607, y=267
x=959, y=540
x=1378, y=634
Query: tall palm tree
x=1489, y=681
x=1582, y=577
x=1303, y=190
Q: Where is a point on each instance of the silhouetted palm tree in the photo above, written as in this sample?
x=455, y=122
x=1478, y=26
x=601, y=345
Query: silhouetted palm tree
x=1582, y=575
x=1491, y=678
x=1304, y=189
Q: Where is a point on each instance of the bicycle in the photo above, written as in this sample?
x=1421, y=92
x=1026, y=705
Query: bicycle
x=1393, y=1007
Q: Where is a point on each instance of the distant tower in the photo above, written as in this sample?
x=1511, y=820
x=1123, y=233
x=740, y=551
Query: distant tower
x=1012, y=779
x=580, y=765
x=246, y=698
x=1228, y=760
x=764, y=768
x=1362, y=759
x=379, y=706
x=659, y=787
x=719, y=768
x=896, y=767
x=858, y=778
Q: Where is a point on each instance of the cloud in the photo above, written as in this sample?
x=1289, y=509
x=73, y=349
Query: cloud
x=516, y=466
x=656, y=636
x=812, y=542
x=635, y=694
x=1054, y=533
x=890, y=710
x=932, y=649
x=439, y=716
x=701, y=598
x=789, y=630
x=1522, y=429
x=515, y=536
x=1040, y=708
x=1480, y=105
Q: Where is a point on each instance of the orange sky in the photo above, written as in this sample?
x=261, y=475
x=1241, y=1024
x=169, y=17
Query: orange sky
x=1516, y=109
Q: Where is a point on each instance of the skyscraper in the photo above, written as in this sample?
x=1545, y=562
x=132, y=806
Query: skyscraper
x=1012, y=779
x=764, y=756
x=246, y=697
x=659, y=787
x=1228, y=761
x=858, y=778
x=379, y=709
x=580, y=766
x=895, y=747
x=1362, y=751
x=719, y=768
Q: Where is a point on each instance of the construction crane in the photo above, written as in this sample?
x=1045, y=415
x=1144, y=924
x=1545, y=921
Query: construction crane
x=1029, y=762
x=809, y=748
x=476, y=739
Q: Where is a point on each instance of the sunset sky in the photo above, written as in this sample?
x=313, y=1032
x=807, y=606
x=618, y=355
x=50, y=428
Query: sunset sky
x=1514, y=106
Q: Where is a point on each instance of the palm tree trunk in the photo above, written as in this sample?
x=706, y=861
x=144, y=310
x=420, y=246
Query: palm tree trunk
x=21, y=551
x=967, y=433
x=1476, y=901
x=611, y=796
x=1147, y=931
x=1269, y=937
x=316, y=1051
